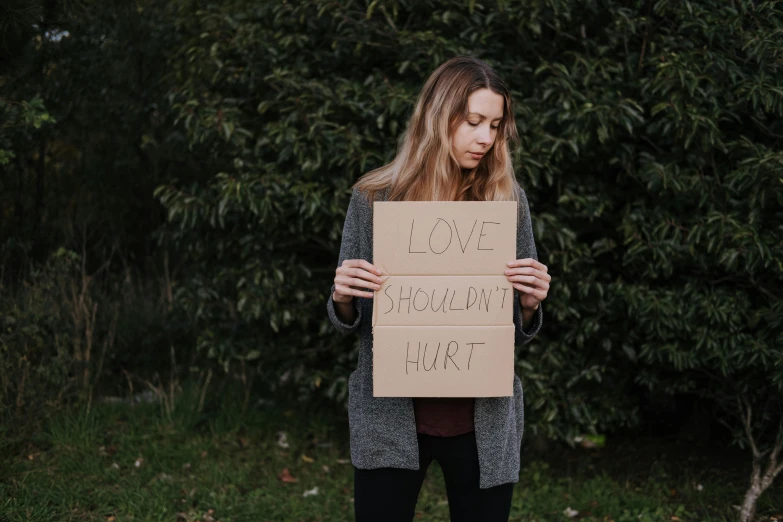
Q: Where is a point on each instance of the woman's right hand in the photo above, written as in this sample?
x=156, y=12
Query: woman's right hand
x=351, y=277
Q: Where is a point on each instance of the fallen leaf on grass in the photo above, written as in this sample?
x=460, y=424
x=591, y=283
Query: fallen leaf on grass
x=139, y=462
x=111, y=518
x=343, y=461
x=570, y=513
x=285, y=476
x=103, y=451
x=325, y=468
x=307, y=459
x=676, y=519
x=309, y=492
x=163, y=477
x=281, y=439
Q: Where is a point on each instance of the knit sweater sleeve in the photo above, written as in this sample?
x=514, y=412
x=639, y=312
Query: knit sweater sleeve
x=526, y=247
x=350, y=248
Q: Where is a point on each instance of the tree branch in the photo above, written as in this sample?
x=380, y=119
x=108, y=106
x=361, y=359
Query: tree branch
x=747, y=423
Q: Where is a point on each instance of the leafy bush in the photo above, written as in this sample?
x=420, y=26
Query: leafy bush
x=66, y=334
x=649, y=133
x=36, y=357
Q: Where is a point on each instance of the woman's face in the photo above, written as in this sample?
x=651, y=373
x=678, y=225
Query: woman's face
x=474, y=137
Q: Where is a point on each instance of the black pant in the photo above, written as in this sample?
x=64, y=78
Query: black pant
x=390, y=494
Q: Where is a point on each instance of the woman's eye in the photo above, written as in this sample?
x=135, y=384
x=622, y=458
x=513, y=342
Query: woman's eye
x=476, y=125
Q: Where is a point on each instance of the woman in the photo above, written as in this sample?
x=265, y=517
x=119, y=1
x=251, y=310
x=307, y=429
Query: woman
x=455, y=148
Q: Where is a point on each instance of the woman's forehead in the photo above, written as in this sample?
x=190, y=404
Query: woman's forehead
x=486, y=104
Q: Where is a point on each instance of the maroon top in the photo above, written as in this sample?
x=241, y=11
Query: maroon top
x=444, y=416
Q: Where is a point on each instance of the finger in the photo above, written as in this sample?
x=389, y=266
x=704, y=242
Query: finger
x=359, y=283
x=538, y=294
x=345, y=290
x=530, y=280
x=361, y=263
x=360, y=273
x=357, y=293
x=528, y=261
x=353, y=281
x=527, y=270
x=369, y=267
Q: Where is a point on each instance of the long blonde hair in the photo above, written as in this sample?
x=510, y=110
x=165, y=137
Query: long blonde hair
x=425, y=168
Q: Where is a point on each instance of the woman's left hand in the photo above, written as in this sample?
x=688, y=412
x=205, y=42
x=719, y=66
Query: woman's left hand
x=531, y=278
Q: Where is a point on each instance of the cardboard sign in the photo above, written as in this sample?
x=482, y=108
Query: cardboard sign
x=442, y=320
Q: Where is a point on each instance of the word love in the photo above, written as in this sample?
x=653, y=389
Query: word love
x=440, y=236
x=464, y=298
x=416, y=359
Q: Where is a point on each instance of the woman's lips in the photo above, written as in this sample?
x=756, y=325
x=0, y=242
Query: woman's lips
x=475, y=156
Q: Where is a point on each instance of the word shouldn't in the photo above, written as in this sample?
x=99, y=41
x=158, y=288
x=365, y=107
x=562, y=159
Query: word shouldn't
x=450, y=351
x=420, y=299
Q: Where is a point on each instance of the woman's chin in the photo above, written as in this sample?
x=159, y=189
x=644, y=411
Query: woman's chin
x=469, y=162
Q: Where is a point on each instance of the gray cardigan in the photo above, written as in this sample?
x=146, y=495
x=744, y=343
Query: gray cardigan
x=383, y=429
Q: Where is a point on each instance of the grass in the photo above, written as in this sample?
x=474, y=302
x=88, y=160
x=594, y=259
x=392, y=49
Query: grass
x=122, y=462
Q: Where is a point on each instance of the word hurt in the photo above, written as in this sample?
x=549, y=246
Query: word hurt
x=450, y=350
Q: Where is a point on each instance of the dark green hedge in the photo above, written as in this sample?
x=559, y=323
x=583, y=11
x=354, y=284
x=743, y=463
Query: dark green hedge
x=650, y=152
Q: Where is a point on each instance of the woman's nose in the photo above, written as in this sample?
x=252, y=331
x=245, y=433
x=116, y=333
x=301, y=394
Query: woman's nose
x=484, y=136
